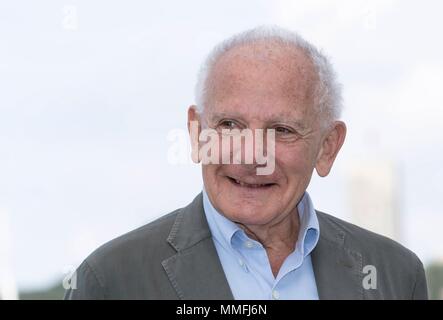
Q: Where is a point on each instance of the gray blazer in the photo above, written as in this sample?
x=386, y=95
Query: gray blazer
x=174, y=257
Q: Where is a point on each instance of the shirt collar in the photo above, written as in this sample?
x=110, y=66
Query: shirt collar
x=224, y=230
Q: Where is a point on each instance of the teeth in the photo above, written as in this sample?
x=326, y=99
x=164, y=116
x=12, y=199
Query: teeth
x=243, y=184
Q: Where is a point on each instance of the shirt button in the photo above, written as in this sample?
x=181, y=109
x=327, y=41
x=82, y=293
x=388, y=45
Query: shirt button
x=275, y=294
x=249, y=244
x=240, y=262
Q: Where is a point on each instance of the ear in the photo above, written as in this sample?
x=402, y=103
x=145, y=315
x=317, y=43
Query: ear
x=331, y=144
x=194, y=129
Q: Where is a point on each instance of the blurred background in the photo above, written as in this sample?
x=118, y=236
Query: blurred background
x=91, y=93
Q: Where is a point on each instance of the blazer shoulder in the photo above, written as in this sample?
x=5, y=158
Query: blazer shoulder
x=370, y=243
x=139, y=241
x=118, y=268
x=400, y=272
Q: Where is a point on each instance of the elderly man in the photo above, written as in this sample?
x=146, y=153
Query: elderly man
x=251, y=235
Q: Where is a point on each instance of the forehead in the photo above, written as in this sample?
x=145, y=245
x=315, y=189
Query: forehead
x=264, y=78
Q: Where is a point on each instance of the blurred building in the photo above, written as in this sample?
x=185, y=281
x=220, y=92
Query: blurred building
x=374, y=192
x=8, y=290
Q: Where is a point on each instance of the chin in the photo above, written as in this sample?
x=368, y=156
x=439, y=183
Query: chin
x=248, y=214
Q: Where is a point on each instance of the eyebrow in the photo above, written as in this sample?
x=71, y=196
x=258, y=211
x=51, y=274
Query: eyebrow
x=298, y=124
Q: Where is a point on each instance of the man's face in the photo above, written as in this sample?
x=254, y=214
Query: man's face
x=260, y=88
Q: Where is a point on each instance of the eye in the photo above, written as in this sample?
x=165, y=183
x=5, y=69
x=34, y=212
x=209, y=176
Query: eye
x=227, y=124
x=283, y=130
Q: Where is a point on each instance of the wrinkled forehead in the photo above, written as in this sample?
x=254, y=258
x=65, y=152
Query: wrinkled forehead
x=261, y=73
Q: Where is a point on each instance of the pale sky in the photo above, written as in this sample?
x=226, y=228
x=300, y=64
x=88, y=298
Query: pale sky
x=89, y=91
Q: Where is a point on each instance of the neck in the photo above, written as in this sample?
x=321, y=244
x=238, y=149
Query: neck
x=278, y=238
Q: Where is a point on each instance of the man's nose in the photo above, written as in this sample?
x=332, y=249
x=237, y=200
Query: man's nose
x=253, y=146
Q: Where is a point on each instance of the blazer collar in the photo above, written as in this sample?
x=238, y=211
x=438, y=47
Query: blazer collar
x=195, y=270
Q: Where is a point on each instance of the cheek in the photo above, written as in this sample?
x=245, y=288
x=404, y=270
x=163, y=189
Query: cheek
x=212, y=180
x=294, y=158
x=296, y=164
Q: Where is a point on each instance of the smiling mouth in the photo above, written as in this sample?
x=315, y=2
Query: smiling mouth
x=239, y=183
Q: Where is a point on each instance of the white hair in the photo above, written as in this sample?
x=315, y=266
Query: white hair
x=327, y=93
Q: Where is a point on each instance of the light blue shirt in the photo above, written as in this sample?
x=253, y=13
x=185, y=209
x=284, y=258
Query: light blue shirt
x=246, y=264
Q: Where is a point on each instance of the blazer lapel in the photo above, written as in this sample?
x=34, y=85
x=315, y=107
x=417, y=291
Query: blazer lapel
x=195, y=270
x=337, y=269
